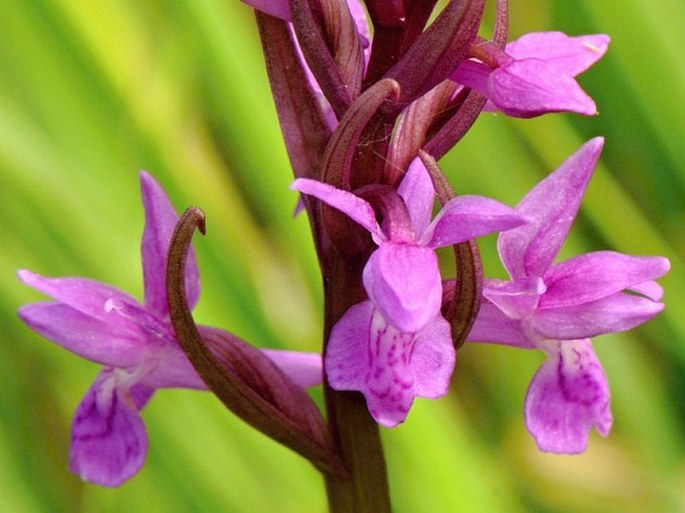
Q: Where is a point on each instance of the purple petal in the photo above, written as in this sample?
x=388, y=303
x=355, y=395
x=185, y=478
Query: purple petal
x=474, y=75
x=619, y=312
x=156, y=330
x=467, y=217
x=87, y=296
x=277, y=8
x=416, y=189
x=365, y=353
x=160, y=221
x=168, y=367
x=347, y=358
x=650, y=289
x=518, y=298
x=432, y=360
x=493, y=326
x=569, y=55
x=304, y=369
x=353, y=206
x=551, y=207
x=361, y=21
x=568, y=396
x=102, y=342
x=597, y=275
x=109, y=441
x=531, y=87
x=403, y=282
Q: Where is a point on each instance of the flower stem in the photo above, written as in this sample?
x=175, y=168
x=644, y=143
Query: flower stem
x=354, y=433
x=358, y=440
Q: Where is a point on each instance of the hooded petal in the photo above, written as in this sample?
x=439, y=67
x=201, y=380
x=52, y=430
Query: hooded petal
x=160, y=221
x=109, y=441
x=551, y=207
x=531, y=87
x=619, y=312
x=568, y=396
x=416, y=189
x=403, y=282
x=493, y=326
x=518, y=298
x=102, y=342
x=593, y=276
x=568, y=55
x=87, y=296
x=467, y=217
x=357, y=209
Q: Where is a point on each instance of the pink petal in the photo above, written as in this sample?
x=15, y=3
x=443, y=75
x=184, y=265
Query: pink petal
x=467, y=217
x=551, y=207
x=474, y=75
x=568, y=55
x=365, y=353
x=102, y=342
x=160, y=221
x=568, y=396
x=389, y=385
x=347, y=358
x=619, y=312
x=596, y=275
x=358, y=14
x=650, y=289
x=403, y=282
x=518, y=298
x=531, y=87
x=493, y=326
x=432, y=359
x=109, y=441
x=277, y=8
x=86, y=296
x=168, y=367
x=304, y=369
x=353, y=206
x=158, y=332
x=416, y=189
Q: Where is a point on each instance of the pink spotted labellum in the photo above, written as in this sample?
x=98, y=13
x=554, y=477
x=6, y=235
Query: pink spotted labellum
x=535, y=74
x=557, y=307
x=135, y=343
x=384, y=346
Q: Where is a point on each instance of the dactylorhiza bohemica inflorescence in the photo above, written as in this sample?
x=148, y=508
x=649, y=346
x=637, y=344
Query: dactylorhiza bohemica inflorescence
x=365, y=119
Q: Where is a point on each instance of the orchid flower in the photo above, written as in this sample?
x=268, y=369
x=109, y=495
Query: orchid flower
x=134, y=342
x=402, y=277
x=557, y=307
x=396, y=346
x=535, y=74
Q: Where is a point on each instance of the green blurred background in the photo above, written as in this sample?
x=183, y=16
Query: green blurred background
x=90, y=92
